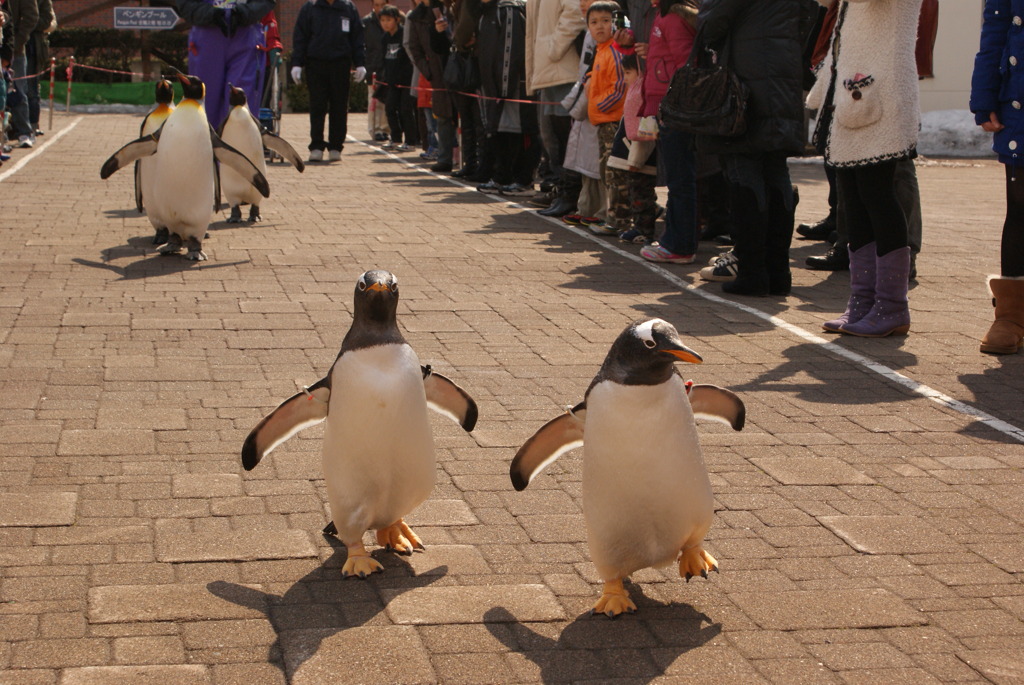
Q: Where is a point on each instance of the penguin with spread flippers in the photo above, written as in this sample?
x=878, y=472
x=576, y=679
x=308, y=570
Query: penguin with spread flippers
x=184, y=174
x=144, y=167
x=647, y=498
x=378, y=450
x=243, y=132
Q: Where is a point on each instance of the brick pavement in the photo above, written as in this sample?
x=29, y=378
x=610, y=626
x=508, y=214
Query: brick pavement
x=866, y=533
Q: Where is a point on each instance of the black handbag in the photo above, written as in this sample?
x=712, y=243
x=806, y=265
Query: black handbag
x=462, y=73
x=705, y=97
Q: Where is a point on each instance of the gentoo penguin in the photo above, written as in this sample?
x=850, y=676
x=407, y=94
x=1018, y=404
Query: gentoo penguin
x=646, y=495
x=183, y=177
x=243, y=132
x=144, y=167
x=378, y=451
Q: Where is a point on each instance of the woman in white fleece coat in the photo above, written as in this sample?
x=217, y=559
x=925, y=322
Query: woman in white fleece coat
x=867, y=99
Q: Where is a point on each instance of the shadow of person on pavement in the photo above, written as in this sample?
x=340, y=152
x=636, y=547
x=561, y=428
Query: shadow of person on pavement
x=322, y=603
x=639, y=647
x=990, y=390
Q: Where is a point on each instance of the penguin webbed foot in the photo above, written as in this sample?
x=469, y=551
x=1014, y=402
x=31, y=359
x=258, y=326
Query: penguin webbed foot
x=195, y=251
x=399, y=538
x=359, y=563
x=161, y=236
x=254, y=214
x=172, y=246
x=614, y=601
x=236, y=215
x=695, y=561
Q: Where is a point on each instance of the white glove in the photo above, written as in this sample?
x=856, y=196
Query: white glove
x=297, y=74
x=360, y=74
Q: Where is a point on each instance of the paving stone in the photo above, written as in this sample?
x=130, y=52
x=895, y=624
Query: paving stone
x=457, y=559
x=440, y=605
x=38, y=509
x=369, y=654
x=835, y=608
x=235, y=545
x=1008, y=556
x=137, y=675
x=442, y=512
x=179, y=602
x=811, y=471
x=106, y=442
x=997, y=666
x=93, y=535
x=888, y=534
x=206, y=485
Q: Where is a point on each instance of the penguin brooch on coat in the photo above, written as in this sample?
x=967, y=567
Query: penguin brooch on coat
x=647, y=499
x=144, y=167
x=378, y=449
x=184, y=175
x=243, y=132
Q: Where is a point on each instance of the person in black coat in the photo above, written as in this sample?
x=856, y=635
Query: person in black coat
x=430, y=42
x=761, y=41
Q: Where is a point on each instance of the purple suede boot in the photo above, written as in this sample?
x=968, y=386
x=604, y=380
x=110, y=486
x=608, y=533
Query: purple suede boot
x=862, y=288
x=890, y=313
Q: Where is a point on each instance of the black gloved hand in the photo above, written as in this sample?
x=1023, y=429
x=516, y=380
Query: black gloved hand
x=220, y=20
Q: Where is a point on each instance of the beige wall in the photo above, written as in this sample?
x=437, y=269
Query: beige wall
x=955, y=47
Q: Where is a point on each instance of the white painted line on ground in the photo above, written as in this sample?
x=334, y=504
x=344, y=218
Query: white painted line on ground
x=39, y=150
x=899, y=379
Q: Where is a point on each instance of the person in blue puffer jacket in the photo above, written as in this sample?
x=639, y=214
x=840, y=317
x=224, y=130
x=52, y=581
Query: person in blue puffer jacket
x=997, y=91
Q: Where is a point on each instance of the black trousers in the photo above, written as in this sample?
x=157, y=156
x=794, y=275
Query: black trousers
x=472, y=125
x=870, y=207
x=400, y=108
x=1011, y=250
x=328, y=83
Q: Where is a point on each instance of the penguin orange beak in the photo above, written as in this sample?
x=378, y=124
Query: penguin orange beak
x=182, y=79
x=378, y=287
x=685, y=354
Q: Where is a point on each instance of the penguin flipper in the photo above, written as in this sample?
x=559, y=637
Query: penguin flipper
x=301, y=410
x=448, y=399
x=138, y=186
x=137, y=149
x=226, y=154
x=283, y=148
x=555, y=438
x=718, y=404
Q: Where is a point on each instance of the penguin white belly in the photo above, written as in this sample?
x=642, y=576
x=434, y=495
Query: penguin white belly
x=645, y=487
x=378, y=449
x=183, y=179
x=240, y=132
x=147, y=168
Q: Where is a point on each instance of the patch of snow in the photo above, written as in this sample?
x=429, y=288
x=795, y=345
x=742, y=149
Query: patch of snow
x=953, y=133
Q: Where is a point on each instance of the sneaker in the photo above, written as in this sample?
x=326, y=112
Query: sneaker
x=430, y=155
x=388, y=146
x=401, y=148
x=656, y=253
x=39, y=132
x=3, y=157
x=723, y=270
x=26, y=141
x=516, y=190
x=316, y=155
x=489, y=187
x=573, y=219
x=601, y=228
x=633, y=236
x=334, y=156
x=720, y=255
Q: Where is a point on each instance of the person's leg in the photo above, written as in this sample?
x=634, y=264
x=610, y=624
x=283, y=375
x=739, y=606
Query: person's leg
x=21, y=127
x=445, y=141
x=244, y=67
x=749, y=201
x=643, y=203
x=393, y=109
x=908, y=194
x=1011, y=249
x=318, y=81
x=407, y=114
x=781, y=208
x=208, y=49
x=32, y=84
x=338, y=104
x=678, y=163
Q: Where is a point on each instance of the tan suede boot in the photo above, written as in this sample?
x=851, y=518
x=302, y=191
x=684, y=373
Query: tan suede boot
x=1007, y=332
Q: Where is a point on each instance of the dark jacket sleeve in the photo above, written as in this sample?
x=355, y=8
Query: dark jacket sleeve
x=986, y=80
x=197, y=12
x=417, y=50
x=356, y=39
x=25, y=20
x=252, y=11
x=717, y=18
x=46, y=15
x=300, y=36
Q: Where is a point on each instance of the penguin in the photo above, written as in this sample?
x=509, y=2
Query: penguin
x=378, y=450
x=647, y=498
x=242, y=131
x=144, y=167
x=184, y=173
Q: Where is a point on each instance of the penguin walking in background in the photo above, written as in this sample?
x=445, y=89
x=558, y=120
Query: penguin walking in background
x=243, y=132
x=378, y=450
x=184, y=174
x=647, y=499
x=144, y=167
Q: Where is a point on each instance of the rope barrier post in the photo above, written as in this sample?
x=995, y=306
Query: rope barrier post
x=71, y=69
x=53, y=78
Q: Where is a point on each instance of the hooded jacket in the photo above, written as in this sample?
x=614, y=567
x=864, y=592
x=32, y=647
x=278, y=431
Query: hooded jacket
x=328, y=32
x=998, y=81
x=551, y=30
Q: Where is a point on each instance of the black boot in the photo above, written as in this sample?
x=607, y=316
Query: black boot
x=836, y=259
x=560, y=207
x=780, y=234
x=820, y=230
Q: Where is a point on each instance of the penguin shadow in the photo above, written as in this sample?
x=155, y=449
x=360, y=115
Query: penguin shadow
x=836, y=381
x=322, y=604
x=151, y=266
x=123, y=213
x=989, y=390
x=592, y=644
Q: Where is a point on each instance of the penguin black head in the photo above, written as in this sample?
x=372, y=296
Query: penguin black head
x=192, y=87
x=375, y=306
x=237, y=97
x=644, y=354
x=164, y=92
